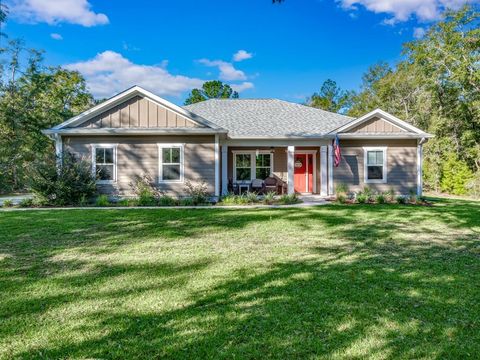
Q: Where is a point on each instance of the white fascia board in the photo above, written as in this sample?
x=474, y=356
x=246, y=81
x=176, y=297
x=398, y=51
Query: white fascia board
x=120, y=131
x=364, y=136
x=126, y=95
x=383, y=115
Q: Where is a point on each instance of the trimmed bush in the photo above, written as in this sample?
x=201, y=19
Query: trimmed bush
x=380, y=199
x=362, y=198
x=166, y=200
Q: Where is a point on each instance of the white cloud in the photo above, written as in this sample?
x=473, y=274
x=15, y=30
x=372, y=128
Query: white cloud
x=403, y=10
x=56, y=36
x=241, y=55
x=227, y=70
x=418, y=32
x=242, y=87
x=56, y=11
x=109, y=73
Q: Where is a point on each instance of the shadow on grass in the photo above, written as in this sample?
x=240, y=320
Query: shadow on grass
x=376, y=293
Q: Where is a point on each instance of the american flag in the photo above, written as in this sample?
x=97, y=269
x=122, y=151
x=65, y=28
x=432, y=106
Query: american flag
x=336, y=151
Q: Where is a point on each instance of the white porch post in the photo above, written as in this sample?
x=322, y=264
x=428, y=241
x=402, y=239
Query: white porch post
x=323, y=171
x=58, y=150
x=217, y=166
x=290, y=168
x=419, y=169
x=330, y=170
x=224, y=169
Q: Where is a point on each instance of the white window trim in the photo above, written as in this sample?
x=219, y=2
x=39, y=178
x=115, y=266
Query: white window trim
x=94, y=162
x=160, y=163
x=253, y=164
x=365, y=162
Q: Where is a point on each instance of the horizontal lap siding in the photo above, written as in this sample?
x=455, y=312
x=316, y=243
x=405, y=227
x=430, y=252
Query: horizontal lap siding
x=401, y=165
x=139, y=155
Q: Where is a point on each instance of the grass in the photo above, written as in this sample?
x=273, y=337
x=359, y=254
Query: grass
x=330, y=282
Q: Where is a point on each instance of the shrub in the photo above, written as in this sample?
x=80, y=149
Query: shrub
x=368, y=193
x=251, y=197
x=65, y=186
x=456, y=175
x=186, y=202
x=342, y=189
x=145, y=190
x=380, y=199
x=7, y=203
x=401, y=199
x=362, y=198
x=28, y=202
x=342, y=199
x=197, y=192
x=166, y=200
x=389, y=195
x=229, y=199
x=269, y=197
x=412, y=197
x=289, y=199
x=102, y=200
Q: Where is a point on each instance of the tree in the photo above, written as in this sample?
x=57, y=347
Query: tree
x=330, y=98
x=211, y=90
x=32, y=98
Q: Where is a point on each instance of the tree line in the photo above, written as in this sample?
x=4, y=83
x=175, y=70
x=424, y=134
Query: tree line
x=435, y=86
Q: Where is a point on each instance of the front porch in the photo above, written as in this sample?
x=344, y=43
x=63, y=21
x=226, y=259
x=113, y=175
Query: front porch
x=288, y=169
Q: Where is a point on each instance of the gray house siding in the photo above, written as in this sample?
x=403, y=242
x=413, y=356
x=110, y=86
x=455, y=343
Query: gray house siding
x=138, y=155
x=401, y=165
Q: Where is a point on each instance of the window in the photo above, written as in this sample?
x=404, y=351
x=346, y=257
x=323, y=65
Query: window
x=243, y=166
x=263, y=166
x=252, y=165
x=104, y=163
x=375, y=165
x=171, y=163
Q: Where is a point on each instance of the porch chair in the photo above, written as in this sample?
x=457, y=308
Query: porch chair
x=271, y=184
x=258, y=186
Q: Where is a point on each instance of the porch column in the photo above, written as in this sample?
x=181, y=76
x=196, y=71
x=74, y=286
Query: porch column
x=419, y=168
x=290, y=168
x=323, y=171
x=330, y=170
x=224, y=169
x=217, y=166
x=58, y=150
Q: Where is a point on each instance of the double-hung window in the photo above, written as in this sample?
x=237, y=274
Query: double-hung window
x=252, y=165
x=104, y=163
x=171, y=162
x=375, y=165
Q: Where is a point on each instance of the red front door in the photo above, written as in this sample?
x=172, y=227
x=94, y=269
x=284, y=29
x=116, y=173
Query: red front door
x=303, y=174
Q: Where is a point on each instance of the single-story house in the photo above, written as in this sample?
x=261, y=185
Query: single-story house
x=229, y=143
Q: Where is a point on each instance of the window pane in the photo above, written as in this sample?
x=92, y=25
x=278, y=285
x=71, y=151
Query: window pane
x=263, y=173
x=171, y=172
x=263, y=160
x=104, y=172
x=375, y=172
x=244, y=174
x=243, y=160
x=175, y=155
x=166, y=155
x=99, y=155
x=375, y=157
x=108, y=156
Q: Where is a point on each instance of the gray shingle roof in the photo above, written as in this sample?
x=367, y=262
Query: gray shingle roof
x=268, y=117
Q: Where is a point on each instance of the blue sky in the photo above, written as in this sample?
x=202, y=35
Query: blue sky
x=171, y=46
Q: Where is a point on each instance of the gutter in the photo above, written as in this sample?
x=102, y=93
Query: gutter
x=114, y=131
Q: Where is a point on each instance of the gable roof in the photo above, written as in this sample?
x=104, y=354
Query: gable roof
x=129, y=94
x=404, y=128
x=268, y=118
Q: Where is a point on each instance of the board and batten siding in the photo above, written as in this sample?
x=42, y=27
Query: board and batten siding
x=138, y=155
x=377, y=125
x=139, y=112
x=401, y=165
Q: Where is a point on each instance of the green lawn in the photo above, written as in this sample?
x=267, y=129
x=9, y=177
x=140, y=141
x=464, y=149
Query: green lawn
x=333, y=282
